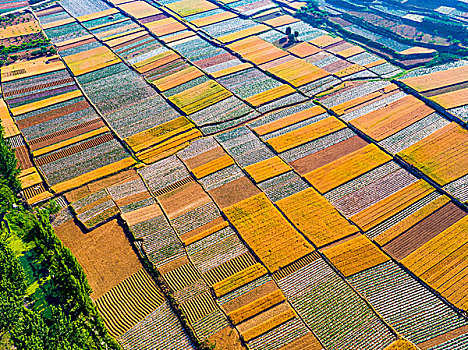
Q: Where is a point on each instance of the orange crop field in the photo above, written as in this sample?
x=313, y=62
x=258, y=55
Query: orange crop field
x=304, y=49
x=289, y=120
x=267, y=232
x=212, y=166
x=298, y=72
x=392, y=205
x=200, y=96
x=355, y=255
x=438, y=80
x=411, y=220
x=443, y=155
x=243, y=33
x=89, y=61
x=269, y=324
x=315, y=217
x=178, y=78
x=165, y=26
x=441, y=263
x=239, y=279
x=257, y=50
x=347, y=168
x=267, y=169
x=256, y=306
x=392, y=118
x=452, y=99
x=270, y=95
x=30, y=68
x=158, y=133
x=306, y=134
x=219, y=17
x=326, y=40
x=186, y=8
x=139, y=9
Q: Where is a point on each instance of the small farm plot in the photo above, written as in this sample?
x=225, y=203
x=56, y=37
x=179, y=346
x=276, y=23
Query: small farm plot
x=426, y=228
x=369, y=188
x=315, y=217
x=95, y=209
x=441, y=261
x=252, y=7
x=442, y=155
x=160, y=329
x=234, y=29
x=347, y=168
x=187, y=8
x=257, y=50
x=244, y=146
x=312, y=287
x=419, y=323
x=98, y=156
x=83, y=8
x=138, y=295
x=253, y=217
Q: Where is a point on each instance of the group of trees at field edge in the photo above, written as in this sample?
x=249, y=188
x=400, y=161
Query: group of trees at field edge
x=72, y=322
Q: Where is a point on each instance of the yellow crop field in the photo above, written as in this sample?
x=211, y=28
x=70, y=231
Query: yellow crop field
x=270, y=95
x=298, y=72
x=186, y=8
x=29, y=177
x=201, y=96
x=158, y=134
x=401, y=345
x=213, y=166
x=139, y=9
x=438, y=80
x=178, y=78
x=281, y=21
x=268, y=325
x=267, y=169
x=256, y=306
x=129, y=302
x=206, y=233
x=304, y=49
x=392, y=118
x=243, y=33
x=326, y=40
x=347, y=168
x=239, y=279
x=93, y=175
x=355, y=255
x=165, y=26
x=411, y=220
x=441, y=263
x=30, y=68
x=168, y=147
x=91, y=60
x=257, y=50
x=386, y=208
x=19, y=29
x=354, y=50
x=9, y=127
x=305, y=134
x=201, y=22
x=267, y=232
x=443, y=155
x=452, y=99
x=289, y=120
x=315, y=217
x=355, y=68
x=45, y=102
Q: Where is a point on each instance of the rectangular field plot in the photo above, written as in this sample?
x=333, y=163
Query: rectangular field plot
x=313, y=288
x=255, y=218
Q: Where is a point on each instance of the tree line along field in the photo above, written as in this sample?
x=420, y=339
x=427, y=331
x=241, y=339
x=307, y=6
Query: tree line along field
x=228, y=175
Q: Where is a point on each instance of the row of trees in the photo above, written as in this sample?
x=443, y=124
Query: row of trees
x=72, y=322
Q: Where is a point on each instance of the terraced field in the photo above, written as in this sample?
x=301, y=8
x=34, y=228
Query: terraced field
x=224, y=180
